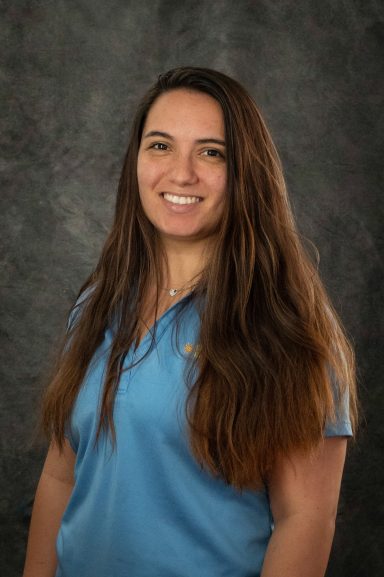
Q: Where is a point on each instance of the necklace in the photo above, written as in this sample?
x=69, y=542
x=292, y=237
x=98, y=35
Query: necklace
x=174, y=291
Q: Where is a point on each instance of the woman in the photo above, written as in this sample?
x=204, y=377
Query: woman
x=199, y=413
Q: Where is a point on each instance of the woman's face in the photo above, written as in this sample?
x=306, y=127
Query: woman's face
x=181, y=166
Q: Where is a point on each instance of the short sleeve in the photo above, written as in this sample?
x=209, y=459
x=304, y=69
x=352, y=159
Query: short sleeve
x=341, y=425
x=68, y=435
x=73, y=318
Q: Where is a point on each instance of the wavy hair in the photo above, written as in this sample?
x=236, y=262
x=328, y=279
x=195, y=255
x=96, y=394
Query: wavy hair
x=274, y=362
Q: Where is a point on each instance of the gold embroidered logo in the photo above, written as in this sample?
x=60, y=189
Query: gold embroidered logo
x=190, y=348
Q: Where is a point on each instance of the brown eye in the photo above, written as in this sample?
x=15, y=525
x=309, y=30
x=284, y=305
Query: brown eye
x=213, y=152
x=159, y=146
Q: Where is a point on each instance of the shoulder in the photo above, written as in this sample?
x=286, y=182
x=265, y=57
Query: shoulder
x=76, y=309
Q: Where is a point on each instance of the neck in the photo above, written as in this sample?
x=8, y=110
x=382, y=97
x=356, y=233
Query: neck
x=182, y=266
x=184, y=262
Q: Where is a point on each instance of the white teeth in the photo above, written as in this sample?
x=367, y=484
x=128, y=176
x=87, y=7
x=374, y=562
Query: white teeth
x=181, y=199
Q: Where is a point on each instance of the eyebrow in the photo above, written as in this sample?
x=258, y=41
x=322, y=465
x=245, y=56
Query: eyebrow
x=199, y=141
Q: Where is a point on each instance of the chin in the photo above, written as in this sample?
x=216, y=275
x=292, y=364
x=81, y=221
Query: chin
x=186, y=235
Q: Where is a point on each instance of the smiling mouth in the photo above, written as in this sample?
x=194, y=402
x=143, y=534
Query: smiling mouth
x=181, y=199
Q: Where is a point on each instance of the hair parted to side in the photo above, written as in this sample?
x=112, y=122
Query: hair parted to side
x=271, y=345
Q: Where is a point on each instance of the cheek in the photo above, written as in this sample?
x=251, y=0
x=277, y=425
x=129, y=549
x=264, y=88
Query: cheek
x=148, y=174
x=142, y=175
x=220, y=187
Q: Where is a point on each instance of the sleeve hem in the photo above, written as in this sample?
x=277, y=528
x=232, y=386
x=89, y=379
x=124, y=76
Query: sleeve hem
x=339, y=429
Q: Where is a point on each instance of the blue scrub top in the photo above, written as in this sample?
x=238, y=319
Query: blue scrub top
x=147, y=509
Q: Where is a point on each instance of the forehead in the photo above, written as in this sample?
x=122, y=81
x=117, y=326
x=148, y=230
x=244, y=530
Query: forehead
x=186, y=110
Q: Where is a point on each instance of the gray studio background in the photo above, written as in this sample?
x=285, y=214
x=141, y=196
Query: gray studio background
x=71, y=73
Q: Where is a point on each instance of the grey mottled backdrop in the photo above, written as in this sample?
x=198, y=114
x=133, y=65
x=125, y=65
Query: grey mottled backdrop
x=71, y=73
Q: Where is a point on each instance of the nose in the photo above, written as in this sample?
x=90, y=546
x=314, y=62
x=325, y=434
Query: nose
x=182, y=172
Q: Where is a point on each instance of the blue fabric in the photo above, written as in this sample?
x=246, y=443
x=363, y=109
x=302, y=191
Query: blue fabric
x=147, y=509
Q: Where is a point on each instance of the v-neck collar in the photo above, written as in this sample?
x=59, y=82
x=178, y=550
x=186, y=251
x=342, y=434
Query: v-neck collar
x=160, y=324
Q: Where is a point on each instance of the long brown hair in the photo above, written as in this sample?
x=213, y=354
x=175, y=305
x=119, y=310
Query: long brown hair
x=274, y=362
